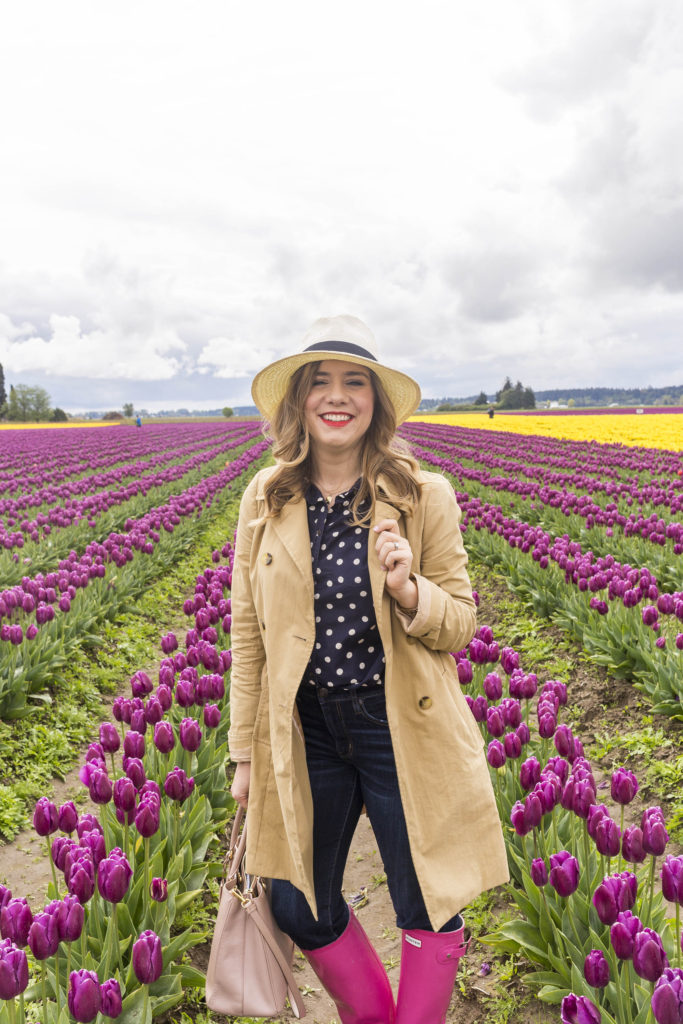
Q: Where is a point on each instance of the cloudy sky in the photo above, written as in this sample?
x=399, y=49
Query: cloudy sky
x=495, y=188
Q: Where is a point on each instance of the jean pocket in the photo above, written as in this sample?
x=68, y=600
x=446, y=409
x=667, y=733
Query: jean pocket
x=373, y=707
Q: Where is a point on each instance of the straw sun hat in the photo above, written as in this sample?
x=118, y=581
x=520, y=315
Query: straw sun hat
x=335, y=337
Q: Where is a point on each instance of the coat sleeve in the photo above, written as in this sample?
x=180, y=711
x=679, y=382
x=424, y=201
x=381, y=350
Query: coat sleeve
x=446, y=614
x=248, y=654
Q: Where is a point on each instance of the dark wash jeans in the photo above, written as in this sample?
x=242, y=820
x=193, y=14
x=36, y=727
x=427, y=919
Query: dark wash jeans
x=350, y=763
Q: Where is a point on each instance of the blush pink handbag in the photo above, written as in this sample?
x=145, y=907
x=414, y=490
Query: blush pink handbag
x=250, y=965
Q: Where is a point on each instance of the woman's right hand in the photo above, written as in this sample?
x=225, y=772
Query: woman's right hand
x=240, y=783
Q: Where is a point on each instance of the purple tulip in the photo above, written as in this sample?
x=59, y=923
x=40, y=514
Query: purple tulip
x=88, y=823
x=495, y=723
x=478, y=708
x=624, y=786
x=169, y=643
x=164, y=737
x=615, y=894
x=559, y=766
x=465, y=673
x=579, y=1010
x=190, y=734
x=43, y=936
x=607, y=837
x=13, y=970
x=649, y=615
x=84, y=997
x=522, y=731
x=596, y=969
x=564, y=873
x=539, y=872
x=667, y=998
x=5, y=896
x=649, y=958
x=71, y=922
x=509, y=659
x=45, y=817
x=147, y=818
x=177, y=786
x=565, y=743
x=138, y=721
x=113, y=876
x=15, y=921
x=109, y=738
x=111, y=1003
x=141, y=684
x=623, y=933
x=67, y=817
x=147, y=960
x=134, y=744
x=495, y=754
x=135, y=770
x=184, y=693
x=632, y=845
x=583, y=797
x=672, y=879
x=493, y=686
x=655, y=835
x=548, y=789
x=527, y=815
x=151, y=789
x=80, y=880
x=94, y=843
x=100, y=787
x=158, y=890
x=212, y=717
x=125, y=794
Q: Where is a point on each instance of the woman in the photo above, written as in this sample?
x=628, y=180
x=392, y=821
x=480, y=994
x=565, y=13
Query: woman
x=349, y=591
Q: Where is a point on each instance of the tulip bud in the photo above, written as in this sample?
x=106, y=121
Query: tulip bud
x=564, y=873
x=147, y=960
x=110, y=998
x=212, y=716
x=67, y=817
x=649, y=958
x=495, y=754
x=164, y=737
x=113, y=876
x=623, y=933
x=632, y=845
x=84, y=997
x=596, y=969
x=158, y=890
x=539, y=872
x=45, y=817
x=109, y=738
x=147, y=818
x=190, y=734
x=672, y=879
x=13, y=970
x=624, y=786
x=579, y=1010
x=15, y=921
x=667, y=998
x=465, y=673
x=43, y=936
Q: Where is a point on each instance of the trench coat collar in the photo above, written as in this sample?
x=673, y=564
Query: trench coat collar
x=291, y=527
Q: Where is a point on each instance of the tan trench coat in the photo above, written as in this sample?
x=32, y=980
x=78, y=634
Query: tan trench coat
x=455, y=833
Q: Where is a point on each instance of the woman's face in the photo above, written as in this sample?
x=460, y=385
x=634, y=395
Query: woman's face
x=339, y=406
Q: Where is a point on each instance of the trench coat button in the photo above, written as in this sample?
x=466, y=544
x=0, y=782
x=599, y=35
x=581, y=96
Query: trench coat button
x=267, y=558
x=425, y=702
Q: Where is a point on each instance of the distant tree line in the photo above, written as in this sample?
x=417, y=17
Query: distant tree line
x=510, y=396
x=672, y=395
x=26, y=404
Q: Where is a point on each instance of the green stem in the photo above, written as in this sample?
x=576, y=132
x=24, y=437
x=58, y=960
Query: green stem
x=58, y=990
x=68, y=964
x=52, y=866
x=147, y=878
x=83, y=945
x=145, y=1005
x=652, y=889
x=43, y=988
x=11, y=1011
x=113, y=766
x=678, y=934
x=617, y=982
x=115, y=922
x=22, y=1013
x=620, y=862
x=627, y=978
x=586, y=861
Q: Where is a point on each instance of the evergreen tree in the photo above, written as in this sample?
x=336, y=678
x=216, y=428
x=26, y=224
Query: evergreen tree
x=3, y=393
x=481, y=399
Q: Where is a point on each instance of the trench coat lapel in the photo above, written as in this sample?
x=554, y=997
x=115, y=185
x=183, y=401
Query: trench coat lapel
x=291, y=527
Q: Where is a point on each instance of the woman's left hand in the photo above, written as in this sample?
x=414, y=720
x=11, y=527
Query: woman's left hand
x=396, y=556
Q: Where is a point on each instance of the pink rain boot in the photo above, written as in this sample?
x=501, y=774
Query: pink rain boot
x=429, y=963
x=353, y=974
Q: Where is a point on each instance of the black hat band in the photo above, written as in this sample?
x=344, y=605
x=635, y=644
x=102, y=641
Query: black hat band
x=341, y=346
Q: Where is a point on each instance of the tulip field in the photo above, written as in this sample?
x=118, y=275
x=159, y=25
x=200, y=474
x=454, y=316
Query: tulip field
x=588, y=535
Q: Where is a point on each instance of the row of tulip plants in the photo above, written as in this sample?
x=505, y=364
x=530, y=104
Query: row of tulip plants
x=615, y=609
x=60, y=521
x=52, y=613
x=586, y=503
x=591, y=880
x=107, y=943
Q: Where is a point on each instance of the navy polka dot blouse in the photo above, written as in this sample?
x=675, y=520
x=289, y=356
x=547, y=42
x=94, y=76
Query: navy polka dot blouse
x=348, y=651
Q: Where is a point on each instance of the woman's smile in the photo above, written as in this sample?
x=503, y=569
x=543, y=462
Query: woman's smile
x=341, y=401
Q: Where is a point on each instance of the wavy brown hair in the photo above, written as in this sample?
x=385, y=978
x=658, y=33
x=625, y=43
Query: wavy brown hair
x=383, y=453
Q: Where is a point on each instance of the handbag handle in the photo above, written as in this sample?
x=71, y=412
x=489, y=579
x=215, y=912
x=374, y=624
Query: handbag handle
x=233, y=862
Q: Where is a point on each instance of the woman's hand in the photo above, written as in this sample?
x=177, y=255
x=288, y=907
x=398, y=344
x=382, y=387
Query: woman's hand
x=396, y=557
x=240, y=783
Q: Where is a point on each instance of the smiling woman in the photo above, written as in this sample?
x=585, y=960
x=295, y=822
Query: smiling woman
x=344, y=694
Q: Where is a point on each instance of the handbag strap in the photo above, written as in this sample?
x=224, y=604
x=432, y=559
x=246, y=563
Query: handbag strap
x=292, y=987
